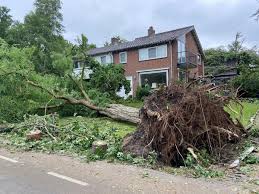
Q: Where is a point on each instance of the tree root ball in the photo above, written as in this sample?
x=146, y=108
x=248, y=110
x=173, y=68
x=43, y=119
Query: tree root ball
x=179, y=117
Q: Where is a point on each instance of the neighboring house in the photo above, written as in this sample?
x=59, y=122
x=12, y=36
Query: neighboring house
x=156, y=59
x=78, y=67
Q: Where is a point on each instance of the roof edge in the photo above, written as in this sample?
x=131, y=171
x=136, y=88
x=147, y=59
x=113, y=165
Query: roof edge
x=189, y=29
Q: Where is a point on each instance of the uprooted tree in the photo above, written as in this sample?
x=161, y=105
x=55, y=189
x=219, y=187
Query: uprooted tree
x=20, y=81
x=178, y=119
x=173, y=119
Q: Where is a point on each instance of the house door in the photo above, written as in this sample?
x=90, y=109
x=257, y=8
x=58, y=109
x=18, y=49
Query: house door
x=122, y=93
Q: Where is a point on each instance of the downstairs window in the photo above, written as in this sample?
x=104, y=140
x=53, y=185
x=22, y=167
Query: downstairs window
x=153, y=79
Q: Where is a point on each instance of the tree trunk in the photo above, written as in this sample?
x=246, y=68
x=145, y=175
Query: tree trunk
x=122, y=113
x=114, y=111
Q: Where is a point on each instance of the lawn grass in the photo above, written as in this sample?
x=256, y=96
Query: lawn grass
x=132, y=103
x=102, y=123
x=243, y=113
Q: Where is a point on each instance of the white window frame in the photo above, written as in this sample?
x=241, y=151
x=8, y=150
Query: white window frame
x=108, y=56
x=156, y=47
x=150, y=71
x=150, y=58
x=126, y=58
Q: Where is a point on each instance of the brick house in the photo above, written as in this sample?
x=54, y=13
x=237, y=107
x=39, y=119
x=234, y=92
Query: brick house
x=158, y=58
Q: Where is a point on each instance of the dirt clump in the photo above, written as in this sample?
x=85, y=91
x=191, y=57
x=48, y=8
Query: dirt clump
x=179, y=117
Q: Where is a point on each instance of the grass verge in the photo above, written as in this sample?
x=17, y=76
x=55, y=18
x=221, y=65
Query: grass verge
x=244, y=112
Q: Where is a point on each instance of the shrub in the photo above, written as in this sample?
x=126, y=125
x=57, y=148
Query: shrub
x=12, y=110
x=109, y=79
x=249, y=83
x=142, y=92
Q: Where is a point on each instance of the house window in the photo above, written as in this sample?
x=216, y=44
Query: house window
x=103, y=59
x=181, y=49
x=143, y=54
x=153, y=79
x=123, y=57
x=161, y=51
x=77, y=65
x=153, y=53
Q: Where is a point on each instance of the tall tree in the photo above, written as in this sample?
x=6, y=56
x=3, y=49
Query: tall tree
x=44, y=28
x=20, y=81
x=5, y=21
x=237, y=45
x=46, y=20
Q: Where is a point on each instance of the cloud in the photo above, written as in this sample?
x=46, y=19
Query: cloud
x=216, y=21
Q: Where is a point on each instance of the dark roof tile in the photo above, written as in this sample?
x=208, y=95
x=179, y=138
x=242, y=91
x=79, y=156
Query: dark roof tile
x=143, y=41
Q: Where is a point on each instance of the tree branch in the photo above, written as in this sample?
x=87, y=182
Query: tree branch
x=80, y=86
x=71, y=100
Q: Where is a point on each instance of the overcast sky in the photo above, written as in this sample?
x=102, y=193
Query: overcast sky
x=216, y=21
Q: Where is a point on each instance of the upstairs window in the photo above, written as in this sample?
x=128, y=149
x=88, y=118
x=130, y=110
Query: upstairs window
x=123, y=57
x=104, y=59
x=153, y=53
x=181, y=49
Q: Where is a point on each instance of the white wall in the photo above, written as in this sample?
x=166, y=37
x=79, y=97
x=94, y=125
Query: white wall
x=78, y=71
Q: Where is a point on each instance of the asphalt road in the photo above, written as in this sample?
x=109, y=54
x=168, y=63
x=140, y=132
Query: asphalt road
x=21, y=179
x=29, y=177
x=36, y=173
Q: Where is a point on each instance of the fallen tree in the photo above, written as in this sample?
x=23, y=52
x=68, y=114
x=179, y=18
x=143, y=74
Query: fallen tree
x=178, y=118
x=22, y=83
x=114, y=111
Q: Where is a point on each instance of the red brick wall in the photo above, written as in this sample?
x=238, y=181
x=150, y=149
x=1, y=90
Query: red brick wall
x=133, y=64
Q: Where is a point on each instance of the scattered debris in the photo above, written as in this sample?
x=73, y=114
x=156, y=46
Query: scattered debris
x=193, y=154
x=34, y=135
x=99, y=146
x=246, y=153
x=5, y=128
x=252, y=121
x=46, y=124
x=177, y=117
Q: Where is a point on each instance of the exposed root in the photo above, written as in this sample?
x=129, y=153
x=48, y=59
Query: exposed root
x=176, y=118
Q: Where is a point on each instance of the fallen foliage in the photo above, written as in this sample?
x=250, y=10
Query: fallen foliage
x=74, y=136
